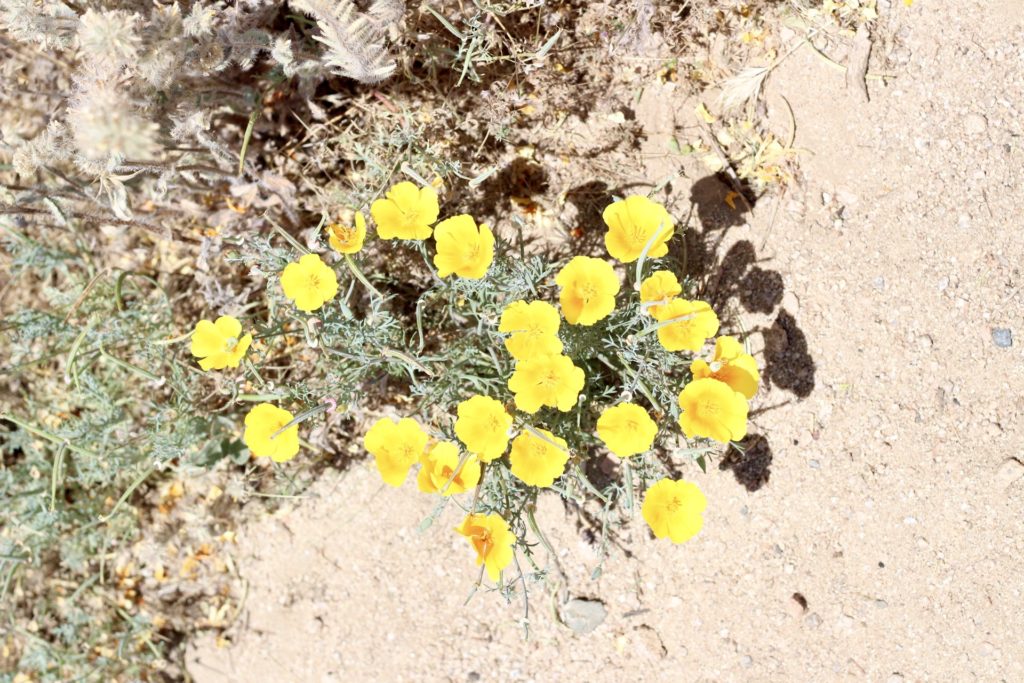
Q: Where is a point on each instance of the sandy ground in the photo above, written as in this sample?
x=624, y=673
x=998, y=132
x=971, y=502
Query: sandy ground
x=887, y=490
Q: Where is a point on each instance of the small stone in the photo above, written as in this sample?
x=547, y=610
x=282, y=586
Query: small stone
x=472, y=677
x=814, y=464
x=925, y=341
x=1002, y=337
x=812, y=620
x=791, y=303
x=649, y=643
x=846, y=198
x=975, y=124
x=881, y=604
x=1009, y=471
x=878, y=283
x=943, y=284
x=583, y=616
x=895, y=678
x=746, y=661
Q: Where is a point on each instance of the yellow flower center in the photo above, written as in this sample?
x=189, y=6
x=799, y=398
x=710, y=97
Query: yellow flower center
x=410, y=215
x=278, y=425
x=483, y=540
x=550, y=379
x=674, y=504
x=707, y=408
x=638, y=234
x=587, y=291
x=343, y=234
x=314, y=281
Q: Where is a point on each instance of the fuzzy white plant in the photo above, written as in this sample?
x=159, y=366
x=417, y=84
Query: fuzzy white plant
x=105, y=125
x=109, y=38
x=354, y=40
x=50, y=24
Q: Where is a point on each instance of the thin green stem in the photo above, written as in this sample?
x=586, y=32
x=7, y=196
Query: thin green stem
x=350, y=262
x=302, y=417
x=255, y=373
x=627, y=472
x=131, y=368
x=288, y=238
x=127, y=494
x=55, y=474
x=260, y=398
x=407, y=359
x=586, y=482
x=49, y=436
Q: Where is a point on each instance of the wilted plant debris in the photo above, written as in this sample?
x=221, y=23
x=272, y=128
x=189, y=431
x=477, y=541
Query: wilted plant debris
x=247, y=242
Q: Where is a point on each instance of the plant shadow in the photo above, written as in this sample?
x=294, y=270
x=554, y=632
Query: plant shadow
x=750, y=462
x=741, y=275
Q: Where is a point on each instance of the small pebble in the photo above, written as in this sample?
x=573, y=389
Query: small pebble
x=881, y=604
x=943, y=284
x=878, y=283
x=746, y=661
x=582, y=615
x=1009, y=472
x=1002, y=337
x=812, y=620
x=814, y=465
x=975, y=124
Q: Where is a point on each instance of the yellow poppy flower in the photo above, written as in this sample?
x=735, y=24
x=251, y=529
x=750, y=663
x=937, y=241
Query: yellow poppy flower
x=261, y=424
x=626, y=429
x=533, y=327
x=347, y=240
x=405, y=212
x=218, y=345
x=396, y=446
x=463, y=248
x=674, y=508
x=632, y=222
x=713, y=409
x=439, y=464
x=661, y=286
x=695, y=323
x=309, y=282
x=546, y=381
x=731, y=365
x=538, y=462
x=588, y=288
x=492, y=540
x=482, y=426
